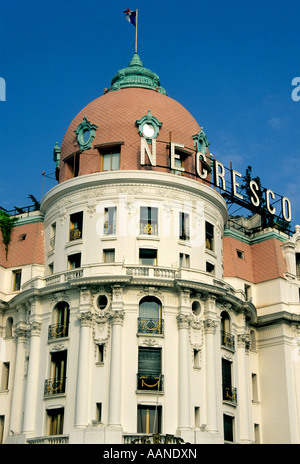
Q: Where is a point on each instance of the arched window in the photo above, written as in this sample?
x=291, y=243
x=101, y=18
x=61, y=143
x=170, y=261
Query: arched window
x=227, y=339
x=8, y=327
x=60, y=321
x=150, y=320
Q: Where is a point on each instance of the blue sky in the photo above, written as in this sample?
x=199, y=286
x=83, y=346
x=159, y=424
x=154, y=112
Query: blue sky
x=230, y=63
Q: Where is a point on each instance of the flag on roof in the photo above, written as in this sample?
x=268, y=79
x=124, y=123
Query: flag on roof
x=130, y=16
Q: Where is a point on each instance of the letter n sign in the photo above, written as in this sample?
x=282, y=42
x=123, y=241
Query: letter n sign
x=2, y=89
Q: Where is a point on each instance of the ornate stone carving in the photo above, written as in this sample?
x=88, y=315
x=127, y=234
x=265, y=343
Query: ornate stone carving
x=210, y=326
x=85, y=319
x=183, y=321
x=116, y=317
x=243, y=341
x=34, y=329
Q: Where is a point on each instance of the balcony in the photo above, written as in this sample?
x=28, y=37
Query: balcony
x=54, y=386
x=227, y=340
x=151, y=439
x=230, y=394
x=50, y=440
x=57, y=331
x=150, y=326
x=75, y=234
x=150, y=382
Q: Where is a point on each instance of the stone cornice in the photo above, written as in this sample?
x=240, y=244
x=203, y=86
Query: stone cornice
x=278, y=318
x=156, y=179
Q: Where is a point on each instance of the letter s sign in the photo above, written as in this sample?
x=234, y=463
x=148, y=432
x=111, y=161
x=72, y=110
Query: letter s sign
x=295, y=92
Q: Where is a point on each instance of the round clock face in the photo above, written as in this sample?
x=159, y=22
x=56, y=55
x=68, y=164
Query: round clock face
x=148, y=131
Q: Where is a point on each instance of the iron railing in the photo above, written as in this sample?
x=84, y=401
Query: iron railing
x=75, y=234
x=229, y=394
x=150, y=326
x=57, y=331
x=54, y=386
x=227, y=340
x=150, y=382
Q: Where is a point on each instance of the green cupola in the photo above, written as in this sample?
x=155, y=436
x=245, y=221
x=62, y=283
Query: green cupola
x=135, y=75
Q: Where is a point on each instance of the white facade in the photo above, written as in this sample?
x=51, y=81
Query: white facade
x=130, y=332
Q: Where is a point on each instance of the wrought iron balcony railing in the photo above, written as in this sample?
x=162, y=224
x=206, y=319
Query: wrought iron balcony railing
x=55, y=386
x=75, y=234
x=230, y=394
x=150, y=326
x=58, y=331
x=227, y=340
x=148, y=229
x=150, y=382
x=49, y=440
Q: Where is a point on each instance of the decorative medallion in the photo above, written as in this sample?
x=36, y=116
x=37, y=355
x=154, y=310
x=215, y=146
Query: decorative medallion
x=85, y=134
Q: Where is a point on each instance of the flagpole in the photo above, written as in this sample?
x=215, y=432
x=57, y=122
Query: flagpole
x=136, y=31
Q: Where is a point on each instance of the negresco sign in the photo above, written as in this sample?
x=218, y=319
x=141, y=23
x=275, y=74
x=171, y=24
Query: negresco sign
x=231, y=186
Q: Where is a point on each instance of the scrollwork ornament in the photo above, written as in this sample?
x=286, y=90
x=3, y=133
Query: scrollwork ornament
x=35, y=329
x=244, y=341
x=85, y=319
x=183, y=321
x=210, y=326
x=116, y=317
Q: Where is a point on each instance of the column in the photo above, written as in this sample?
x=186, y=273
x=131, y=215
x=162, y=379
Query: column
x=17, y=393
x=82, y=391
x=32, y=379
x=243, y=394
x=211, y=381
x=115, y=383
x=184, y=419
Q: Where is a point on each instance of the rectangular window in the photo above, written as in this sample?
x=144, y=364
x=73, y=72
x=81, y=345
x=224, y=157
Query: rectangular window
x=149, y=419
x=74, y=261
x=110, y=161
x=197, y=359
x=2, y=418
x=148, y=221
x=298, y=264
x=73, y=162
x=247, y=292
x=17, y=276
x=229, y=393
x=148, y=257
x=240, y=254
x=52, y=236
x=5, y=376
x=100, y=358
x=209, y=236
x=210, y=268
x=179, y=166
x=56, y=384
x=184, y=226
x=184, y=260
x=149, y=369
x=256, y=434
x=76, y=221
x=228, y=428
x=110, y=220
x=55, y=421
x=254, y=388
x=197, y=416
x=99, y=412
x=109, y=255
